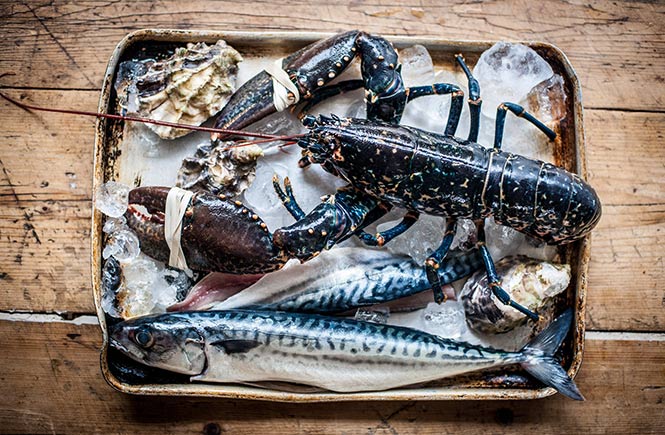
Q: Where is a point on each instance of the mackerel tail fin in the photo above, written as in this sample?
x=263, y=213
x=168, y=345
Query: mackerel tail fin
x=540, y=361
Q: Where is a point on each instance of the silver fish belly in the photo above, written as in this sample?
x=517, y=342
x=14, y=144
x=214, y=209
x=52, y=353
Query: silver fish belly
x=341, y=355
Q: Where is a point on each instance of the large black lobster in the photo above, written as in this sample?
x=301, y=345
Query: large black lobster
x=389, y=165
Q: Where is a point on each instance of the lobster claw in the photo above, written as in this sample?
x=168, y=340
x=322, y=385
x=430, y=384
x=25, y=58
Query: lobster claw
x=309, y=69
x=218, y=235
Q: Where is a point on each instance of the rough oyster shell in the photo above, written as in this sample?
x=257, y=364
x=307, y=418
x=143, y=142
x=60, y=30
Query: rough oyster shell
x=221, y=169
x=188, y=88
x=532, y=283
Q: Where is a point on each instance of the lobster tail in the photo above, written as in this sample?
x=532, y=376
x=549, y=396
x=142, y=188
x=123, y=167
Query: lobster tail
x=539, y=199
x=566, y=207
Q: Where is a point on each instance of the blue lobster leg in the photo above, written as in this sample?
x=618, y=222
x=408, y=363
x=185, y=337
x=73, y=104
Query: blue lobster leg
x=518, y=110
x=475, y=102
x=433, y=262
x=493, y=278
x=384, y=237
x=457, y=99
x=287, y=197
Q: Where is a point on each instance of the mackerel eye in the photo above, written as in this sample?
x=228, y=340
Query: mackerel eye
x=144, y=338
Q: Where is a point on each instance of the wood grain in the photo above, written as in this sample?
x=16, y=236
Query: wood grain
x=617, y=48
x=44, y=243
x=626, y=166
x=50, y=380
x=51, y=383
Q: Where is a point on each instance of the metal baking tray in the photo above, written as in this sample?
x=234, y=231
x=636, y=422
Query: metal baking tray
x=504, y=383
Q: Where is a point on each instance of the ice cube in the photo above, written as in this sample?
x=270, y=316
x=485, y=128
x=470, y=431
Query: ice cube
x=112, y=198
x=111, y=280
x=147, y=287
x=547, y=100
x=179, y=280
x=502, y=240
x=123, y=245
x=108, y=304
x=420, y=240
x=465, y=235
x=507, y=72
x=113, y=225
x=373, y=316
x=145, y=139
x=418, y=70
x=163, y=294
x=445, y=320
x=417, y=66
x=139, y=277
x=261, y=197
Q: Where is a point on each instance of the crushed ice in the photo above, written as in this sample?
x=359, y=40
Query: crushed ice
x=146, y=287
x=112, y=198
x=143, y=285
x=380, y=316
x=123, y=245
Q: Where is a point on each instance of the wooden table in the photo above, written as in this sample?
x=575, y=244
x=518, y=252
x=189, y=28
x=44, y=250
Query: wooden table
x=57, y=51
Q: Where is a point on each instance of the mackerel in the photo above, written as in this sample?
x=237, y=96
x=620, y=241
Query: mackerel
x=343, y=355
x=336, y=281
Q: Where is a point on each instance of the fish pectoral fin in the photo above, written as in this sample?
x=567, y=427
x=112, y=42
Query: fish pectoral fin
x=235, y=346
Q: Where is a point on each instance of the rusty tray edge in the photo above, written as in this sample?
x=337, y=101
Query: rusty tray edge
x=252, y=393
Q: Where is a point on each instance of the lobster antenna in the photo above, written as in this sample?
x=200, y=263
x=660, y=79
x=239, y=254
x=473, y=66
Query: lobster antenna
x=29, y=107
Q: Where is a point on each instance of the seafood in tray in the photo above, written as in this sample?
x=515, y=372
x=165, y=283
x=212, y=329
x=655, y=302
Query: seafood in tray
x=330, y=221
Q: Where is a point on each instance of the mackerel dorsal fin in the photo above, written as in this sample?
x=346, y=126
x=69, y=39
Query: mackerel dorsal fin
x=236, y=346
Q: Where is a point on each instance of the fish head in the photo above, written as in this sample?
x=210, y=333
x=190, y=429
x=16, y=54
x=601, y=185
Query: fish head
x=168, y=342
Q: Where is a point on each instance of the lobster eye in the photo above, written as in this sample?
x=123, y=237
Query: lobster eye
x=144, y=338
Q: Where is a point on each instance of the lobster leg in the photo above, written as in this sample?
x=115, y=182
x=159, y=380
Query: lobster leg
x=457, y=99
x=287, y=197
x=433, y=262
x=493, y=278
x=384, y=237
x=475, y=102
x=519, y=111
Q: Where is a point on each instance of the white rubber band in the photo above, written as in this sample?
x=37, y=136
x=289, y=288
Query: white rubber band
x=284, y=91
x=177, y=202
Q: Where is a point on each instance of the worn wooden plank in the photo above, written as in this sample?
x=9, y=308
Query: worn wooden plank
x=616, y=48
x=51, y=383
x=47, y=156
x=45, y=256
x=626, y=166
x=45, y=191
x=44, y=232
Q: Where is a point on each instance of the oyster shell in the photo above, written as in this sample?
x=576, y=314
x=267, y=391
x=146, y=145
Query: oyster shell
x=220, y=169
x=188, y=87
x=532, y=283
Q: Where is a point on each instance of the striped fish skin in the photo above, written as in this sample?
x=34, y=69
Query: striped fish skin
x=345, y=279
x=343, y=355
